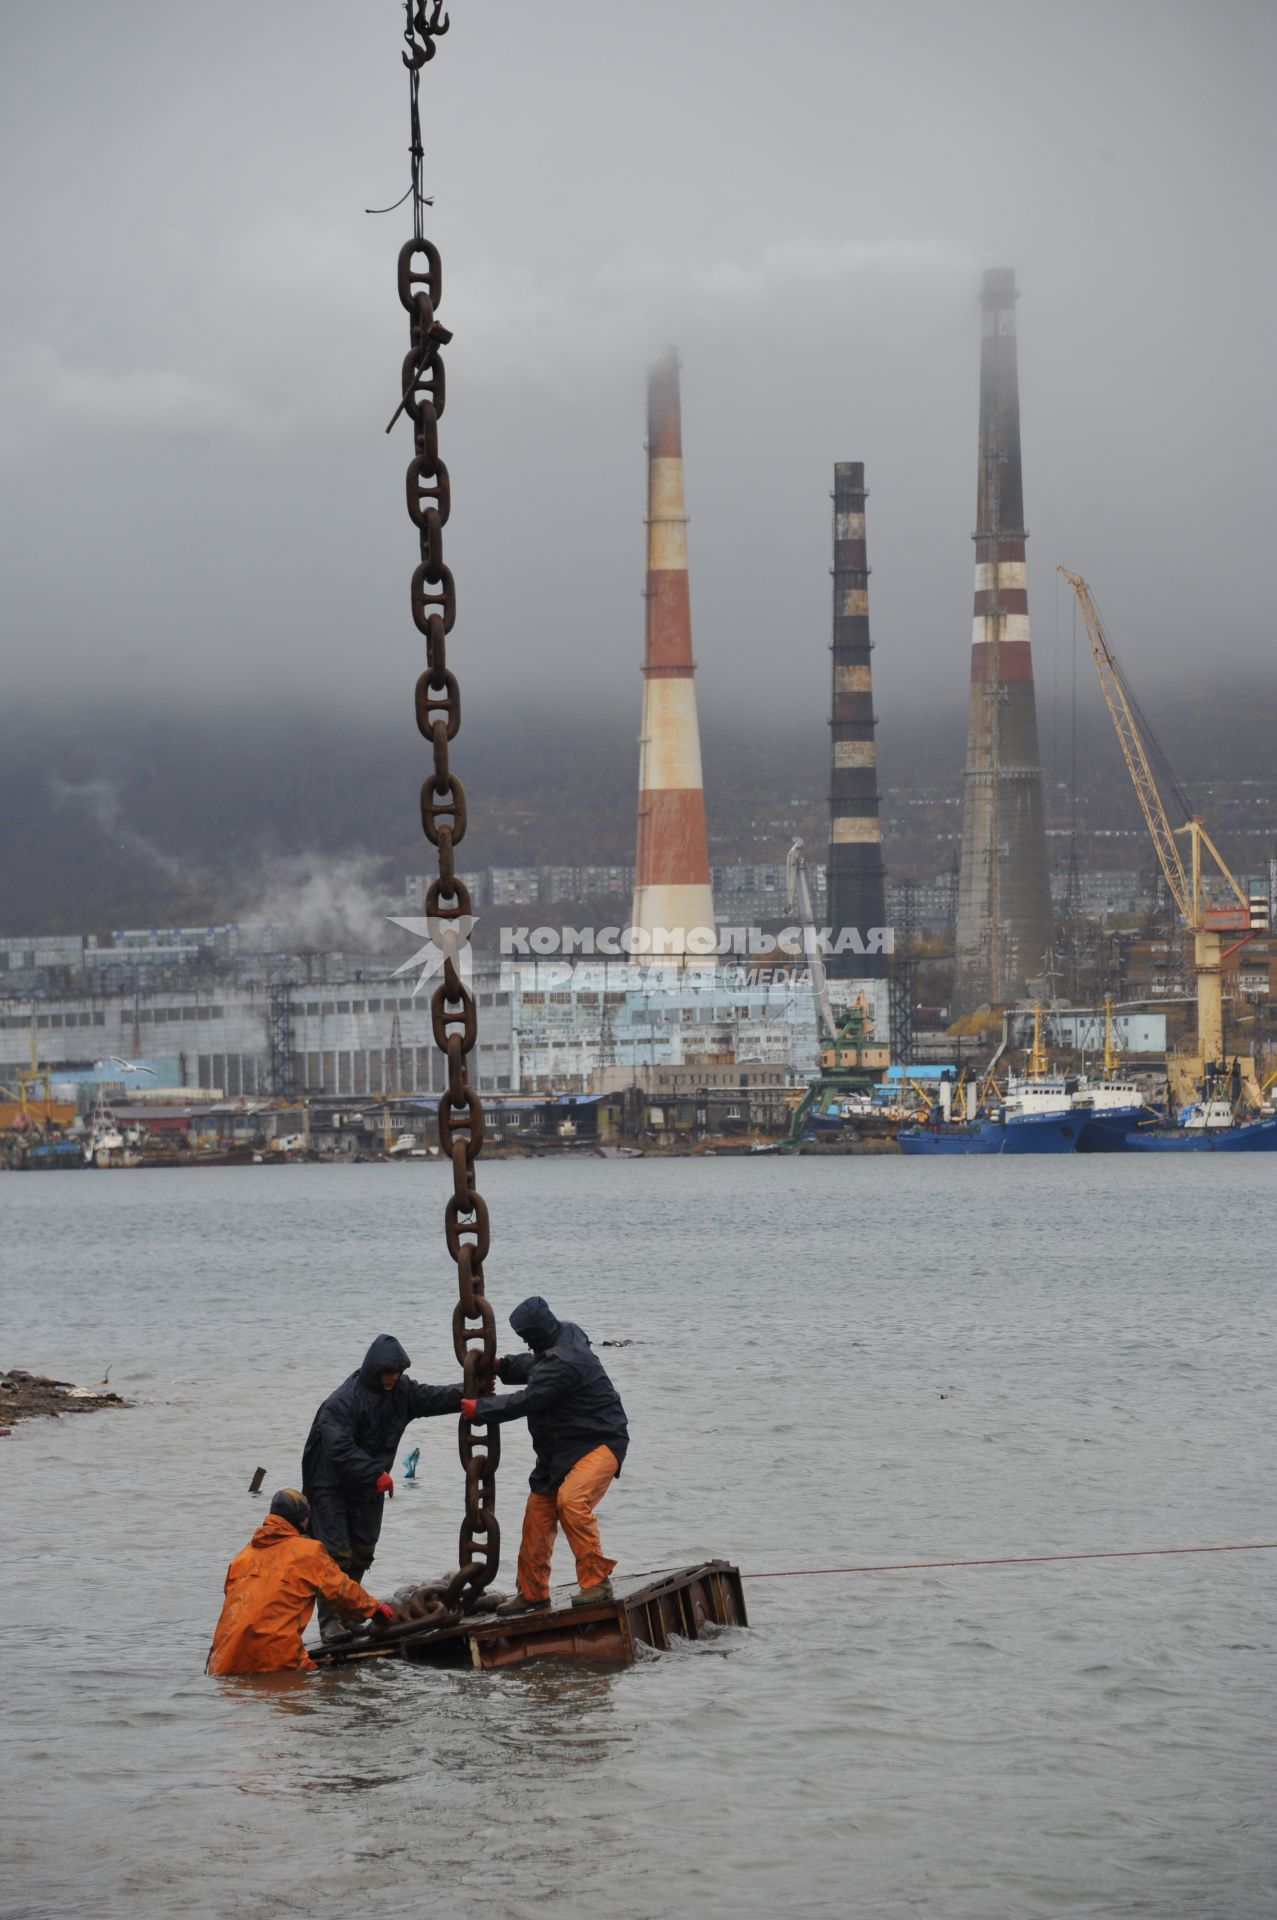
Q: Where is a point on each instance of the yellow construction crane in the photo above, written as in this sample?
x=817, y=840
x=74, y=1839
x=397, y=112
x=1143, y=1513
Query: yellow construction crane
x=1186, y=1070
x=21, y=1105
x=1038, y=1063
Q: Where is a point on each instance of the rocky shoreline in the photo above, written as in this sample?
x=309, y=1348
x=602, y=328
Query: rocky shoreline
x=24, y=1394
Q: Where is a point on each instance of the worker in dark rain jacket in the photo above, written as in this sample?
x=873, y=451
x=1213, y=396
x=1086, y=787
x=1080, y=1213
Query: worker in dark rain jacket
x=350, y=1451
x=580, y=1436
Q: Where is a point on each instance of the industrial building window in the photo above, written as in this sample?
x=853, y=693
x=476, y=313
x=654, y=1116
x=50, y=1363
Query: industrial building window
x=312, y=1006
x=374, y=1006
x=328, y=1007
x=99, y=1019
x=356, y=1006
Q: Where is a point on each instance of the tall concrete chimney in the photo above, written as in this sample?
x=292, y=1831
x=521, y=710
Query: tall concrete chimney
x=854, y=874
x=673, y=903
x=1005, y=926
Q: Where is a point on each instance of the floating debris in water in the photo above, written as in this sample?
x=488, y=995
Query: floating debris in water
x=23, y=1394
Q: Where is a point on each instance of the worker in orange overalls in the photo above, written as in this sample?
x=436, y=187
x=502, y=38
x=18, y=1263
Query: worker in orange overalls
x=271, y=1590
x=579, y=1435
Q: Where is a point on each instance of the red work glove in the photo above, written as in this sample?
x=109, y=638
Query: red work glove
x=382, y=1615
x=467, y=1409
x=385, y=1485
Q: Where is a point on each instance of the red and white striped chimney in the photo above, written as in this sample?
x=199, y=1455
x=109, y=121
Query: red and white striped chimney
x=673, y=902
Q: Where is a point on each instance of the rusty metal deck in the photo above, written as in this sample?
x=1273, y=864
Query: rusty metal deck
x=646, y=1610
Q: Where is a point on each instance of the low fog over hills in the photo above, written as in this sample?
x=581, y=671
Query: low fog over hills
x=126, y=819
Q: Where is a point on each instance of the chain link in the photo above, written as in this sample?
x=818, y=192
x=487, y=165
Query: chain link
x=443, y=820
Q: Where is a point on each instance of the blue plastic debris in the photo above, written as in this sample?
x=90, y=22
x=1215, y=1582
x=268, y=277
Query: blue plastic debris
x=410, y=1463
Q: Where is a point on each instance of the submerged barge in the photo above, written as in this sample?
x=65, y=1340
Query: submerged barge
x=646, y=1610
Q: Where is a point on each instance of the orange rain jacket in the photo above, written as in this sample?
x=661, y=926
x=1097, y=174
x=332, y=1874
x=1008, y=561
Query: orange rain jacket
x=271, y=1589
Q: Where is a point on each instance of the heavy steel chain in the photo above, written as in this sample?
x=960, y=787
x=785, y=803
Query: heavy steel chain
x=443, y=820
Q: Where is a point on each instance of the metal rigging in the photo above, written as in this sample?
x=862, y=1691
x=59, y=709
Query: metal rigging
x=443, y=820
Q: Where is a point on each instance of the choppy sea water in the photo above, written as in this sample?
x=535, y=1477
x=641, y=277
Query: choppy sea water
x=829, y=1362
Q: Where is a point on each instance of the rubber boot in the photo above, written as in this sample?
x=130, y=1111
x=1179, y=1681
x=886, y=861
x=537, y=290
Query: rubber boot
x=517, y=1604
x=587, y=1596
x=333, y=1625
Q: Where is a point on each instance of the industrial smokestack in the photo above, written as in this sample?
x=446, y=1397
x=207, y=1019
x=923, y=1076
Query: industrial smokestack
x=854, y=875
x=673, y=903
x=1005, y=925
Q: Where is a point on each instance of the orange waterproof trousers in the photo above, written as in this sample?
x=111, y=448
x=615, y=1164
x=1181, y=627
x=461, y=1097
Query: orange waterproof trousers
x=572, y=1502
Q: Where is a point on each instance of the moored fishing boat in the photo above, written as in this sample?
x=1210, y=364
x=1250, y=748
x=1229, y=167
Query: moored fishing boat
x=1209, y=1126
x=48, y=1156
x=1110, y=1109
x=996, y=1132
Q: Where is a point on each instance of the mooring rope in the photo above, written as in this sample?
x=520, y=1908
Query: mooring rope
x=1013, y=1560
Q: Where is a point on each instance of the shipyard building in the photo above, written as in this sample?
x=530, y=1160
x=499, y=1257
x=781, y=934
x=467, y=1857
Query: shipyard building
x=261, y=1029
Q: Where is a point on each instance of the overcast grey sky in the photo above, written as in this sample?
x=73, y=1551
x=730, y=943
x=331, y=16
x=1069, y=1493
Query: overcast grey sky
x=201, y=339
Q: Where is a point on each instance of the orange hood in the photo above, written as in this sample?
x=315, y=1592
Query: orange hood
x=273, y=1529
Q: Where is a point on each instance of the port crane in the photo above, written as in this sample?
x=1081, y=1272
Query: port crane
x=1188, y=1071
x=33, y=1109
x=798, y=901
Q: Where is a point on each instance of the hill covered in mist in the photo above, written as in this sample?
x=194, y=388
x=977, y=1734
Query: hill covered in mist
x=131, y=819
